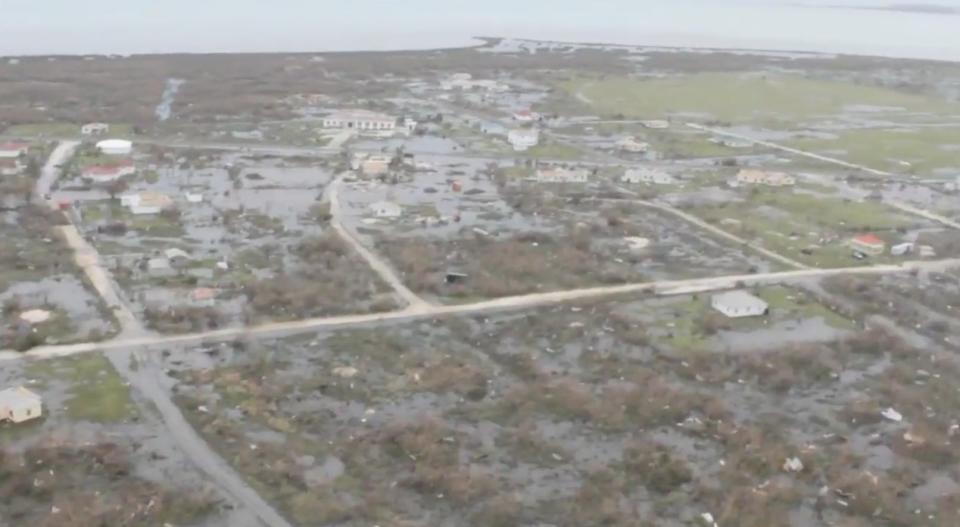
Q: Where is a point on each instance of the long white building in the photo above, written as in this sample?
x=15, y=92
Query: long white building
x=360, y=120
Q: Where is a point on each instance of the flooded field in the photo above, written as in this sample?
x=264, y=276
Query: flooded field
x=601, y=410
x=44, y=295
x=239, y=239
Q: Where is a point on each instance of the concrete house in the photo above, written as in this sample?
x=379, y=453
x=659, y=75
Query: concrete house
x=375, y=165
x=159, y=267
x=115, y=147
x=868, y=244
x=632, y=145
x=523, y=139
x=739, y=304
x=13, y=150
x=146, y=202
x=562, y=175
x=20, y=404
x=750, y=176
x=901, y=249
x=360, y=120
x=386, y=209
x=10, y=166
x=108, y=173
x=203, y=297
x=656, y=124
x=525, y=116
x=650, y=176
x=94, y=129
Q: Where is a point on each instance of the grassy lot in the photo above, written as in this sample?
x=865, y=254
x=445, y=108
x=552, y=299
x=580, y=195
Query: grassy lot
x=741, y=98
x=790, y=223
x=61, y=130
x=925, y=149
x=553, y=150
x=97, y=393
x=695, y=321
x=42, y=129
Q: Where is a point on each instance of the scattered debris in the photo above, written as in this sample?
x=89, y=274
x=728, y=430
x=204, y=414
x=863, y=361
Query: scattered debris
x=892, y=415
x=793, y=464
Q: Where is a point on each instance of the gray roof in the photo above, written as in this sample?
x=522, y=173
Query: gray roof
x=18, y=398
x=740, y=300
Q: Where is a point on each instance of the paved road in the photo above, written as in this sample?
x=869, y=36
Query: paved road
x=381, y=267
x=666, y=287
x=85, y=256
x=846, y=164
x=690, y=218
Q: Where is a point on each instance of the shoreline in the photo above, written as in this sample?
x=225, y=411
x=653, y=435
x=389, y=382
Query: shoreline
x=481, y=42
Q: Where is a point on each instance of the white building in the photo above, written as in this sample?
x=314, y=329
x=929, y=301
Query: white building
x=739, y=304
x=562, y=175
x=19, y=404
x=360, y=120
x=523, y=139
x=633, y=145
x=115, y=147
x=159, y=267
x=13, y=150
x=11, y=166
x=386, y=209
x=656, y=124
x=375, y=165
x=650, y=176
x=466, y=82
x=901, y=249
x=750, y=176
x=146, y=202
x=94, y=129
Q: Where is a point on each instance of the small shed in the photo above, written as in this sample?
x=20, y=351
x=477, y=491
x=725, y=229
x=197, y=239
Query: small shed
x=19, y=404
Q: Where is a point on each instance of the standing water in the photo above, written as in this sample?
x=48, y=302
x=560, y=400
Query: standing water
x=163, y=110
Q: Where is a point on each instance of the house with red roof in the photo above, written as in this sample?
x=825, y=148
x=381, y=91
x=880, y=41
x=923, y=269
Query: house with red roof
x=13, y=149
x=109, y=172
x=869, y=244
x=525, y=116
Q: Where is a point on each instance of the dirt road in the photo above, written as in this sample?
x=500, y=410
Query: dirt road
x=84, y=254
x=149, y=381
x=381, y=267
x=664, y=288
x=689, y=218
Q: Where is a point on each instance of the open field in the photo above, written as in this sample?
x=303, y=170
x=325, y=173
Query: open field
x=744, y=98
x=923, y=151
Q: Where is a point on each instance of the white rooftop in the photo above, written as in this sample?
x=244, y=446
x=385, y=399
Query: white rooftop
x=740, y=300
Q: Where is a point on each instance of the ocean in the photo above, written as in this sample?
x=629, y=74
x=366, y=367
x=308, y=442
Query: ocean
x=31, y=27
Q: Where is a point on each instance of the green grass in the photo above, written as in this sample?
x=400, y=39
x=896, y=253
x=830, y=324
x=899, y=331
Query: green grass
x=97, y=393
x=926, y=149
x=791, y=303
x=742, y=97
x=796, y=221
x=42, y=129
x=552, y=150
x=686, y=332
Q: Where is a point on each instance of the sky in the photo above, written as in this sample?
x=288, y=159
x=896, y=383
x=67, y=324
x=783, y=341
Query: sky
x=35, y=27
